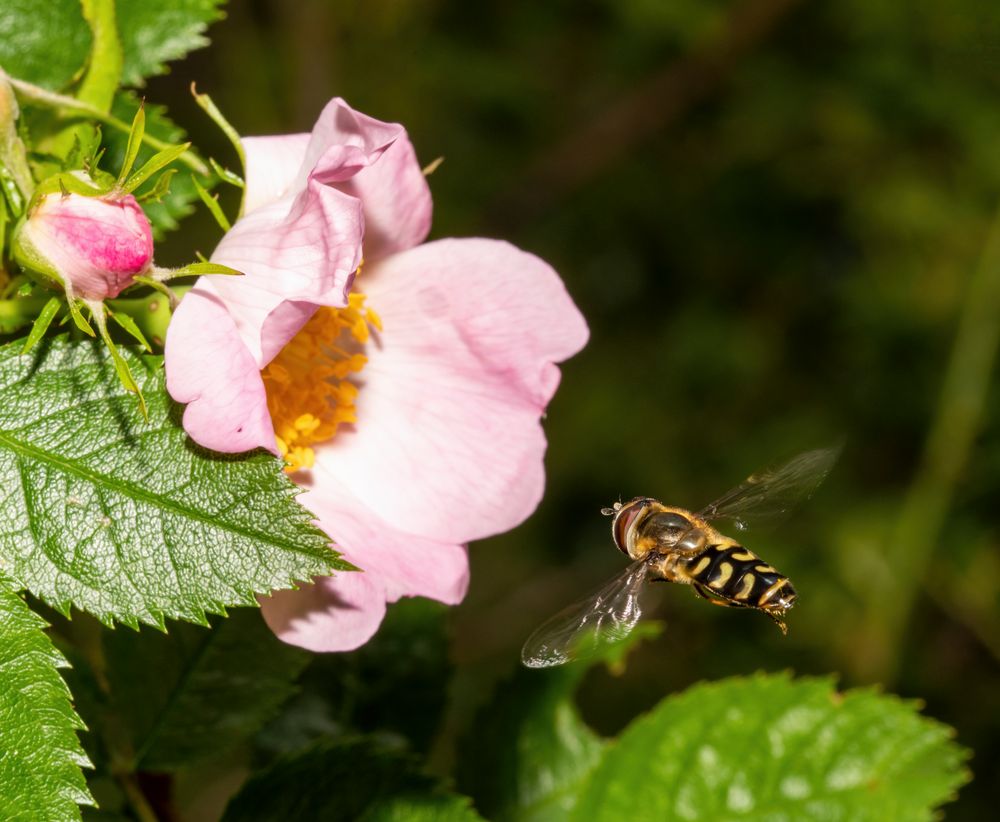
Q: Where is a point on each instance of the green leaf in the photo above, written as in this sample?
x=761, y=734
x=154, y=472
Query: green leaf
x=195, y=692
x=351, y=780
x=48, y=43
x=45, y=43
x=125, y=518
x=770, y=747
x=153, y=33
x=40, y=755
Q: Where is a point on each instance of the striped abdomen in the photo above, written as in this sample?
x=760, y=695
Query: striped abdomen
x=734, y=576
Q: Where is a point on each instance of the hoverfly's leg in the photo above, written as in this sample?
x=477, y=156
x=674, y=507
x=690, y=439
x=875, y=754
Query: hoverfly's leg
x=705, y=593
x=777, y=621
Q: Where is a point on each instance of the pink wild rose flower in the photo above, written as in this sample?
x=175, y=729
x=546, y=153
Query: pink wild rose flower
x=91, y=246
x=407, y=401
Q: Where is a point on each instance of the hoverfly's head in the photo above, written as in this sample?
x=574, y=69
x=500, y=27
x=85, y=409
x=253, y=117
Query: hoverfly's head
x=626, y=518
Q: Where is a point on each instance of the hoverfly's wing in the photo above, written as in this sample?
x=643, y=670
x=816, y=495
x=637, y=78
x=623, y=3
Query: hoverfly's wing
x=765, y=497
x=579, y=630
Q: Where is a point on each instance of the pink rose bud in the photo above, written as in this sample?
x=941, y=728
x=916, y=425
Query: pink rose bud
x=91, y=246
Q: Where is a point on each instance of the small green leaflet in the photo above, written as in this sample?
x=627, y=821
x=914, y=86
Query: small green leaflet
x=153, y=33
x=125, y=518
x=770, y=747
x=40, y=755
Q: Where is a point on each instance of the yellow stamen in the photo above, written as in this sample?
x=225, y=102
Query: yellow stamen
x=309, y=393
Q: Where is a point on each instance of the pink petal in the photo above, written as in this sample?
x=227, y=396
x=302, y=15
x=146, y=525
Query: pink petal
x=448, y=443
x=210, y=369
x=303, y=251
x=342, y=612
x=375, y=162
x=343, y=142
x=338, y=613
x=273, y=164
x=396, y=198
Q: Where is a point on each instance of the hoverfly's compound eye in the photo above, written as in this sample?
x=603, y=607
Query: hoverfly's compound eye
x=626, y=517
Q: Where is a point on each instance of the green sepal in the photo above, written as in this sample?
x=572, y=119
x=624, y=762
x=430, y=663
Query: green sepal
x=129, y=325
x=65, y=184
x=135, y=136
x=42, y=323
x=154, y=164
x=197, y=269
x=225, y=174
x=212, y=204
x=209, y=107
x=160, y=189
x=97, y=311
x=78, y=318
x=156, y=285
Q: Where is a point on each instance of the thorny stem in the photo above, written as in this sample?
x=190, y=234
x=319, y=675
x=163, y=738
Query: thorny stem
x=946, y=453
x=71, y=105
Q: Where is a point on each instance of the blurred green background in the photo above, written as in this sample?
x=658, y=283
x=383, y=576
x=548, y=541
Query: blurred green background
x=777, y=219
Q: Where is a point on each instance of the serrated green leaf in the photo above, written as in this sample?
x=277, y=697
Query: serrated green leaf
x=48, y=43
x=40, y=755
x=195, y=692
x=44, y=43
x=154, y=33
x=351, y=780
x=774, y=748
x=125, y=518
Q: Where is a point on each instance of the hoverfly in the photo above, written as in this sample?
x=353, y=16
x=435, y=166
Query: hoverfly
x=675, y=545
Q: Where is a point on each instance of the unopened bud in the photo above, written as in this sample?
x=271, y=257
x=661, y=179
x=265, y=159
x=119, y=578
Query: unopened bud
x=91, y=246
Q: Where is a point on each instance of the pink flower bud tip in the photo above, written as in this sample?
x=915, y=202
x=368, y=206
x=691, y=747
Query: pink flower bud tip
x=93, y=246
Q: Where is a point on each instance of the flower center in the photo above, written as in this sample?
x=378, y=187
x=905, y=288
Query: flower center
x=309, y=393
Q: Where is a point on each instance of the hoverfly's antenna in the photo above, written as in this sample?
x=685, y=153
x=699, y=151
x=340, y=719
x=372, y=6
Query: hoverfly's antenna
x=610, y=512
